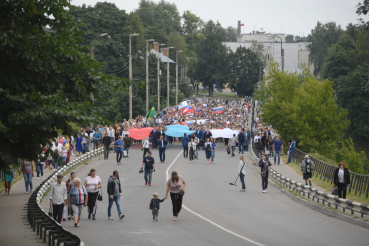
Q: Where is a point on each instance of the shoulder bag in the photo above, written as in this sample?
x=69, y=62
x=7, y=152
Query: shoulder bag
x=181, y=192
x=51, y=211
x=334, y=191
x=99, y=196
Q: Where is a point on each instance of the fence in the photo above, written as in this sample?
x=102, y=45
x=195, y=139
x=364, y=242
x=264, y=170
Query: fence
x=325, y=171
x=41, y=221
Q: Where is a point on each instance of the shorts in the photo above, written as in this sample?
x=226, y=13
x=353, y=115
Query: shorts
x=155, y=212
x=307, y=176
x=77, y=209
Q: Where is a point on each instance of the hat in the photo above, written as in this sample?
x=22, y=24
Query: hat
x=306, y=157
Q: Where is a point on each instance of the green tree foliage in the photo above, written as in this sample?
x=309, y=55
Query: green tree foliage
x=246, y=69
x=363, y=9
x=353, y=94
x=46, y=78
x=290, y=38
x=323, y=36
x=304, y=109
x=231, y=33
x=356, y=161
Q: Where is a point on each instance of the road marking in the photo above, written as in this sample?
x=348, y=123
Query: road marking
x=206, y=219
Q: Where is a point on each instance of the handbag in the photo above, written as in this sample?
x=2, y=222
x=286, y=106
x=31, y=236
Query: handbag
x=334, y=191
x=99, y=196
x=50, y=211
x=181, y=192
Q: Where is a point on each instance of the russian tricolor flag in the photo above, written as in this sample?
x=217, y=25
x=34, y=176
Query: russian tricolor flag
x=242, y=25
x=189, y=110
x=183, y=106
x=218, y=110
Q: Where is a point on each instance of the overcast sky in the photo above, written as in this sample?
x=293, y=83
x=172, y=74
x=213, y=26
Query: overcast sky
x=295, y=17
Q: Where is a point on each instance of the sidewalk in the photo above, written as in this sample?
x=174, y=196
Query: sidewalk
x=14, y=227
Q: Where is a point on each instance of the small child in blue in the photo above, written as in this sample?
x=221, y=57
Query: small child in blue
x=155, y=206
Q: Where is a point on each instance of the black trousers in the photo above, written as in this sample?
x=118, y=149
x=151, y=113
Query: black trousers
x=106, y=152
x=185, y=152
x=145, y=151
x=176, y=202
x=58, y=212
x=226, y=141
x=191, y=154
x=92, y=202
x=119, y=155
x=264, y=182
x=342, y=190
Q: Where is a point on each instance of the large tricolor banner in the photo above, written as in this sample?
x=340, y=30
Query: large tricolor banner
x=182, y=106
x=218, y=110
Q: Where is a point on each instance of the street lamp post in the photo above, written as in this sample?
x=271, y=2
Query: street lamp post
x=159, y=75
x=168, y=88
x=177, y=76
x=130, y=75
x=282, y=52
x=147, y=73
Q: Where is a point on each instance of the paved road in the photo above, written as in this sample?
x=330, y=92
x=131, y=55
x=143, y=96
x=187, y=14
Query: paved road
x=216, y=214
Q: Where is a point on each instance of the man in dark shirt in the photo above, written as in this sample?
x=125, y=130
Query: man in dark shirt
x=106, y=142
x=149, y=163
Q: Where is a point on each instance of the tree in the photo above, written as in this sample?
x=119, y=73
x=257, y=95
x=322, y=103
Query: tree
x=258, y=49
x=211, y=55
x=353, y=94
x=304, y=109
x=363, y=9
x=47, y=78
x=289, y=38
x=231, y=33
x=323, y=36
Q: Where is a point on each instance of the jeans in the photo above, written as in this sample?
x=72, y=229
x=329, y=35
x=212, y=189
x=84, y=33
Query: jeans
x=277, y=152
x=185, y=151
x=28, y=180
x=106, y=152
x=126, y=148
x=242, y=179
x=84, y=148
x=290, y=156
x=342, y=190
x=115, y=199
x=247, y=146
x=212, y=155
x=233, y=148
x=264, y=182
x=74, y=145
x=270, y=148
x=148, y=172
x=162, y=154
x=64, y=158
x=240, y=147
x=197, y=152
x=119, y=155
x=40, y=169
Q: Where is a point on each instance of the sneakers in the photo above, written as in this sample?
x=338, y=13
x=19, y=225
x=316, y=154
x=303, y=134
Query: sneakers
x=149, y=184
x=69, y=217
x=266, y=191
x=263, y=191
x=42, y=177
x=38, y=178
x=175, y=218
x=63, y=219
x=121, y=216
x=110, y=218
x=93, y=217
x=153, y=217
x=156, y=219
x=146, y=183
x=89, y=216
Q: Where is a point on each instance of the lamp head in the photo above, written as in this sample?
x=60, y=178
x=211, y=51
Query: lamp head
x=135, y=34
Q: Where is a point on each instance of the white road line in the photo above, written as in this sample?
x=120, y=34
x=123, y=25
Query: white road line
x=206, y=219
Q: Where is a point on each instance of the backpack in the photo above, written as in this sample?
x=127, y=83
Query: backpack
x=311, y=166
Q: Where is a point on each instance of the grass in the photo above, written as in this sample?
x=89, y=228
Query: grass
x=325, y=185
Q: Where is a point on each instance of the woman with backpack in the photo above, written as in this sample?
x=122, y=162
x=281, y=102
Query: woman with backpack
x=242, y=172
x=307, y=166
x=208, y=150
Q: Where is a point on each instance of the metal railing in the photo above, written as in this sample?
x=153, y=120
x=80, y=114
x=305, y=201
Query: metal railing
x=39, y=220
x=325, y=171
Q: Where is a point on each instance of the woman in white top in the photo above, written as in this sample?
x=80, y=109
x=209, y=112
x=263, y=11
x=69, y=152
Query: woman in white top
x=111, y=133
x=191, y=148
x=242, y=172
x=146, y=147
x=92, y=184
x=208, y=150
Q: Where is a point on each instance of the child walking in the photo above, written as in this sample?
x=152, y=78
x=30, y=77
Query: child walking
x=155, y=206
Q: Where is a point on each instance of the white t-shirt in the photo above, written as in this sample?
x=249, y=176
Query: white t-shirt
x=91, y=183
x=341, y=178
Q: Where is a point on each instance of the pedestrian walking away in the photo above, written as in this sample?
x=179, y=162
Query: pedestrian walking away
x=241, y=138
x=119, y=149
x=162, y=146
x=92, y=184
x=278, y=149
x=213, y=147
x=146, y=147
x=40, y=166
x=232, y=143
x=155, y=206
x=114, y=193
x=28, y=169
x=149, y=164
x=58, y=197
x=185, y=141
x=342, y=179
x=264, y=165
x=106, y=142
x=177, y=186
x=77, y=199
x=242, y=172
x=291, y=149
x=307, y=166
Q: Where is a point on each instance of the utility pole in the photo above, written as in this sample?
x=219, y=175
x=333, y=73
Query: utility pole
x=147, y=73
x=130, y=75
x=177, y=76
x=159, y=75
x=168, y=87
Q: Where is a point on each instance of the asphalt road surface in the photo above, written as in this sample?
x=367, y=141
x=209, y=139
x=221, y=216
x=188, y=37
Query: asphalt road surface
x=214, y=212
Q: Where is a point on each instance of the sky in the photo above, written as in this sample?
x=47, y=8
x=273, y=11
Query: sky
x=295, y=17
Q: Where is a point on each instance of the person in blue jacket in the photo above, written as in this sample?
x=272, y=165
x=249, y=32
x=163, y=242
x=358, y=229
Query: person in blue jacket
x=154, y=139
x=155, y=206
x=292, y=148
x=185, y=141
x=248, y=138
x=241, y=137
x=162, y=146
x=119, y=149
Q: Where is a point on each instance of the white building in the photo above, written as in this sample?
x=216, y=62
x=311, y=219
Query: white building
x=260, y=37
